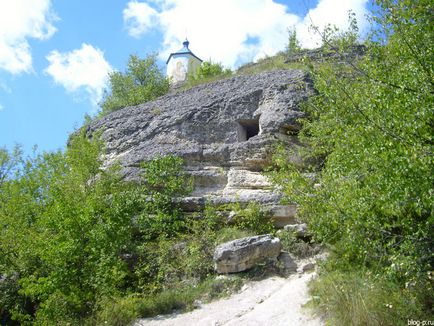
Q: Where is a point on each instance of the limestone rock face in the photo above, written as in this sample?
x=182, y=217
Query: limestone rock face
x=225, y=131
x=242, y=254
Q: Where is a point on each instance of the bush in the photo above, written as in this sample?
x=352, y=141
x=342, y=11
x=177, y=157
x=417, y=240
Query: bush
x=298, y=247
x=187, y=257
x=207, y=72
x=251, y=218
x=210, y=69
x=293, y=46
x=74, y=235
x=366, y=188
x=67, y=230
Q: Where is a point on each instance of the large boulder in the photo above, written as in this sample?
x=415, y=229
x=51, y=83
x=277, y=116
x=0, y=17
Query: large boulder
x=225, y=131
x=242, y=254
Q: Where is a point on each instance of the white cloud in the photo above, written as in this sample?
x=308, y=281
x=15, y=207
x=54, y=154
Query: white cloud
x=233, y=32
x=333, y=12
x=1, y=107
x=139, y=17
x=19, y=21
x=83, y=69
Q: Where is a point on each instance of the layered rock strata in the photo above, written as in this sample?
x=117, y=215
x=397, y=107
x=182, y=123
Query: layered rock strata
x=241, y=254
x=225, y=131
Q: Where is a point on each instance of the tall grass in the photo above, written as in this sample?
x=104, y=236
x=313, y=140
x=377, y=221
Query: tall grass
x=124, y=310
x=358, y=298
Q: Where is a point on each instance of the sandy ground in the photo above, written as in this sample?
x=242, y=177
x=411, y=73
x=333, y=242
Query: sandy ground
x=273, y=301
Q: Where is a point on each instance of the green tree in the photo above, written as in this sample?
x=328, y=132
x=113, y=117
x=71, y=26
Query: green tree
x=369, y=137
x=293, y=46
x=75, y=237
x=337, y=40
x=67, y=224
x=208, y=70
x=142, y=81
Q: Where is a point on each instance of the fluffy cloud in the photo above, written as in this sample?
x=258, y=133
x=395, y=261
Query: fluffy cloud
x=83, y=69
x=19, y=21
x=234, y=32
x=333, y=12
x=139, y=17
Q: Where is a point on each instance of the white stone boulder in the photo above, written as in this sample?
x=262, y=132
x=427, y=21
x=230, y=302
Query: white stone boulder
x=242, y=254
x=300, y=230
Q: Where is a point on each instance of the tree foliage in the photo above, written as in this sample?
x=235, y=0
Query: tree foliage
x=293, y=45
x=75, y=237
x=208, y=70
x=67, y=228
x=369, y=137
x=142, y=81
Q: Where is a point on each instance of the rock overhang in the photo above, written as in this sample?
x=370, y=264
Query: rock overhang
x=213, y=128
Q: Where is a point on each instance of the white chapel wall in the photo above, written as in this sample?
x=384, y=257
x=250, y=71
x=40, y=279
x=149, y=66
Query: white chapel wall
x=180, y=65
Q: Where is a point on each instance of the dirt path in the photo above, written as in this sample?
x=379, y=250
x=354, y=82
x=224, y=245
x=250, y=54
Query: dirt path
x=273, y=301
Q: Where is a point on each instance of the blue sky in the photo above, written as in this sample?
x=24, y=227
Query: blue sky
x=55, y=55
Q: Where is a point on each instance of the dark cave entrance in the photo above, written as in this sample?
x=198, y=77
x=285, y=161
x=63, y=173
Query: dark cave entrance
x=247, y=129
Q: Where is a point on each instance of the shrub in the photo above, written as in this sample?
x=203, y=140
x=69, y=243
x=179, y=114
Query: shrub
x=210, y=69
x=207, y=72
x=75, y=229
x=293, y=46
x=367, y=187
x=298, y=247
x=252, y=218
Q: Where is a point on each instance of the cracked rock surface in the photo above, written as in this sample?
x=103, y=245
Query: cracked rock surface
x=241, y=254
x=225, y=131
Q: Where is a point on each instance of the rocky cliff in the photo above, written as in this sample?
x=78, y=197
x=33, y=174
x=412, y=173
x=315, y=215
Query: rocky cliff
x=225, y=131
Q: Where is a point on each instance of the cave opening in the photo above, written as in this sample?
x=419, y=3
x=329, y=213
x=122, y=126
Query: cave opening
x=247, y=128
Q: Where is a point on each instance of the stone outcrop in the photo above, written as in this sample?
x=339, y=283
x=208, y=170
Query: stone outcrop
x=286, y=263
x=225, y=131
x=300, y=230
x=242, y=254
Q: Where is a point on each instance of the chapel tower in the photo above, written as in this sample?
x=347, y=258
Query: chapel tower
x=181, y=63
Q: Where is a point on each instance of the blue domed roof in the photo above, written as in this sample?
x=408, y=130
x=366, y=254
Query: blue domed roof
x=184, y=50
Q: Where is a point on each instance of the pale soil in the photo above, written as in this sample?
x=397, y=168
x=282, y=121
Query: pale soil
x=273, y=301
